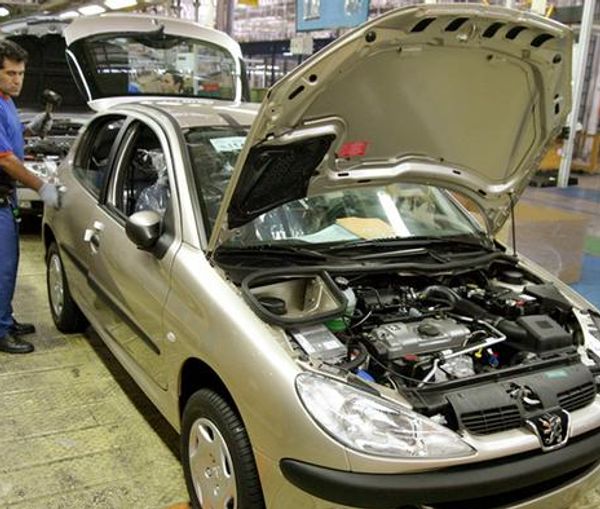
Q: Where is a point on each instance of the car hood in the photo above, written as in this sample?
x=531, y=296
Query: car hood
x=103, y=70
x=463, y=97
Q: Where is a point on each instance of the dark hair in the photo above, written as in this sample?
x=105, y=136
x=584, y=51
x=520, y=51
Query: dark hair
x=177, y=78
x=10, y=50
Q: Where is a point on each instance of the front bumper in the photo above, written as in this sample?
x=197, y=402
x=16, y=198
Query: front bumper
x=509, y=482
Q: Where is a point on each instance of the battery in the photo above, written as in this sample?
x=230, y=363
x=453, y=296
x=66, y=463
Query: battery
x=319, y=342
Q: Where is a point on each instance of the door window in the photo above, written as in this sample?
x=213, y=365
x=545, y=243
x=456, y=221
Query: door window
x=142, y=182
x=92, y=162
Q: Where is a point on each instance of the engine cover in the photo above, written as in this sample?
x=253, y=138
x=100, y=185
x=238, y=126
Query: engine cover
x=430, y=335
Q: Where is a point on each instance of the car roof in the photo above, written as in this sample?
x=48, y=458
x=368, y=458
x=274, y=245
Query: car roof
x=197, y=113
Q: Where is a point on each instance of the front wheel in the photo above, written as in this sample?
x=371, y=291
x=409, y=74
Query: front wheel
x=65, y=313
x=218, y=463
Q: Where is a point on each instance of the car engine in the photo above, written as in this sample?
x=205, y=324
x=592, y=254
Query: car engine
x=480, y=351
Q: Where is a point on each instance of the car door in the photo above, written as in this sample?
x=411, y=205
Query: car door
x=132, y=284
x=85, y=182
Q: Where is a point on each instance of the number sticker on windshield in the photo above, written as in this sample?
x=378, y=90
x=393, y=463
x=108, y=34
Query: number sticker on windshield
x=228, y=143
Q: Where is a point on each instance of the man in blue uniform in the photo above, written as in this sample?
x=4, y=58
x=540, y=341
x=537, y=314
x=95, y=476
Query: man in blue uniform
x=12, y=146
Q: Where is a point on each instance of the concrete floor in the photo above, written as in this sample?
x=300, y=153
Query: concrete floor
x=75, y=431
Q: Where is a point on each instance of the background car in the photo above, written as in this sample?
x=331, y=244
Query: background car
x=299, y=288
x=47, y=69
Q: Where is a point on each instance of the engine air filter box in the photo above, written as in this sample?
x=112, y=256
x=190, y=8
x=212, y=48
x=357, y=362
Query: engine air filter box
x=544, y=334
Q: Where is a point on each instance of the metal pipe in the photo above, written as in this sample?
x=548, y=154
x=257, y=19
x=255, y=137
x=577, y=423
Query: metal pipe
x=579, y=75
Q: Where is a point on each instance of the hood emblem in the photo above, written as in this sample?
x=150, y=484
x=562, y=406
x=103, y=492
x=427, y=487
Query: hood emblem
x=551, y=427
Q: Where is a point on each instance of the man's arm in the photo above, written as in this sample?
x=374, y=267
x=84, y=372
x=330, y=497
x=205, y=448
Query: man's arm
x=16, y=169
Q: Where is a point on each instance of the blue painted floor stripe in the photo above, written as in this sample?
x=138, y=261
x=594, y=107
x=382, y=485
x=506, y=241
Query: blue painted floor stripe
x=589, y=285
x=578, y=192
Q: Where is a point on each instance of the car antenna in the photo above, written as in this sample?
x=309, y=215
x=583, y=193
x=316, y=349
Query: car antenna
x=513, y=223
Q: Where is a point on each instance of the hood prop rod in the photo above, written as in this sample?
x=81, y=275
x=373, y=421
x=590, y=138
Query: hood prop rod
x=513, y=224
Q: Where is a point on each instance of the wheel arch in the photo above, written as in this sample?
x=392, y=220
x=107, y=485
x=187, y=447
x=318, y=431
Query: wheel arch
x=196, y=374
x=48, y=237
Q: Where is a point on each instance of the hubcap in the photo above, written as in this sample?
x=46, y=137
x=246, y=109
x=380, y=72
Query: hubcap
x=55, y=285
x=211, y=467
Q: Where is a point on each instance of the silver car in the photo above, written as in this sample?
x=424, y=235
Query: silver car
x=310, y=290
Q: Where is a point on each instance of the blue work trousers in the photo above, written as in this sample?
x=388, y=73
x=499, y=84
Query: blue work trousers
x=9, y=260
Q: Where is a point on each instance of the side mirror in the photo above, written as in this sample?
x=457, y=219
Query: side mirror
x=144, y=228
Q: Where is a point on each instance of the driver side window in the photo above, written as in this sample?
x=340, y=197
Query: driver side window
x=143, y=180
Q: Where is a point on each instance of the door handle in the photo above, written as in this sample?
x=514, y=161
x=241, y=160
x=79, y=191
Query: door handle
x=95, y=240
x=92, y=235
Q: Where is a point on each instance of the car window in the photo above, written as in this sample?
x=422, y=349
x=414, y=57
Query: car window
x=142, y=179
x=376, y=212
x=92, y=161
x=153, y=64
x=213, y=152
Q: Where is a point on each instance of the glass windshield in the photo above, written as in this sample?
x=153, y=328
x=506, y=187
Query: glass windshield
x=213, y=152
x=155, y=64
x=375, y=212
x=391, y=211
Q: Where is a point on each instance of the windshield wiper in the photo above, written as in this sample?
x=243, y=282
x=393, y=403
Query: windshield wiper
x=414, y=243
x=277, y=251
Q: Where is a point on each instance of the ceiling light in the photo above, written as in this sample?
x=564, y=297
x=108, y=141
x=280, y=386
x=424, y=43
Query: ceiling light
x=120, y=4
x=90, y=10
x=68, y=14
x=4, y=12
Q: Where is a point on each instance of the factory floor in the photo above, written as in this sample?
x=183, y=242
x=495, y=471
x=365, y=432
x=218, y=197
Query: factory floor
x=75, y=432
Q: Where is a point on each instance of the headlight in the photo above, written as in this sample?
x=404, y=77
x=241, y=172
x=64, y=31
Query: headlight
x=596, y=320
x=43, y=169
x=374, y=426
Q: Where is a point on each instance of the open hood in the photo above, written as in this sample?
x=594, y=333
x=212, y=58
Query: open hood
x=462, y=97
x=127, y=57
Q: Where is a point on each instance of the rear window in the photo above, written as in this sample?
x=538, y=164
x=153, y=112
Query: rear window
x=155, y=64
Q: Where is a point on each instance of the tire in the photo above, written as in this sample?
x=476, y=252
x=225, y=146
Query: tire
x=66, y=314
x=217, y=458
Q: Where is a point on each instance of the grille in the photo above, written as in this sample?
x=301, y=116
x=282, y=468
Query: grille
x=578, y=397
x=492, y=420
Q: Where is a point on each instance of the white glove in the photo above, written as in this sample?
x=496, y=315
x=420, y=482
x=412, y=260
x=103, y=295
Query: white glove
x=50, y=194
x=41, y=124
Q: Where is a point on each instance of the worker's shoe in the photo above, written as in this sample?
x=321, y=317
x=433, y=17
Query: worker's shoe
x=14, y=344
x=20, y=329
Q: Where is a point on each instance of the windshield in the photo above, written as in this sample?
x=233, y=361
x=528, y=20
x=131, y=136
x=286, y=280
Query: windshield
x=155, y=64
x=371, y=213
x=375, y=212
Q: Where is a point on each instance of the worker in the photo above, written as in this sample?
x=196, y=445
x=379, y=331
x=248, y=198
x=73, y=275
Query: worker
x=12, y=69
x=171, y=82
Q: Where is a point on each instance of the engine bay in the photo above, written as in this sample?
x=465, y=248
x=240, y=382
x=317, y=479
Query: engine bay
x=481, y=351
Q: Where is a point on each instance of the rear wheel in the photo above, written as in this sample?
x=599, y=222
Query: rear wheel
x=218, y=463
x=65, y=313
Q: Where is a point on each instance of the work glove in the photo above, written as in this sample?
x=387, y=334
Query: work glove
x=41, y=124
x=50, y=194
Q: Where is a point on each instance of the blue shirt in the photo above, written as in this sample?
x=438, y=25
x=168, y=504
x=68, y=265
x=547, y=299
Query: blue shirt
x=11, y=136
x=11, y=129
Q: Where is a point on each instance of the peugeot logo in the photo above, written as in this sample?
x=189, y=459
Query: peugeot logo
x=551, y=428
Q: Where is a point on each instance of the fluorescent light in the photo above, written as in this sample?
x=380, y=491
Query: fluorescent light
x=120, y=4
x=4, y=12
x=90, y=10
x=68, y=14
